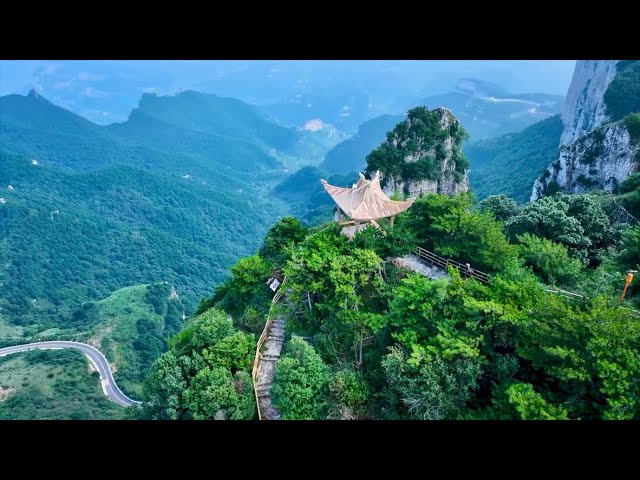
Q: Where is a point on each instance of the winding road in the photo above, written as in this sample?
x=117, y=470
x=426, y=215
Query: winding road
x=98, y=360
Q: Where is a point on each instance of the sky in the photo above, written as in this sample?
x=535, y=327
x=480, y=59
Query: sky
x=105, y=91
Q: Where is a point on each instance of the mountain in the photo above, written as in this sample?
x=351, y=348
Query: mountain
x=487, y=110
x=349, y=155
x=207, y=113
x=600, y=143
x=176, y=193
x=510, y=164
x=422, y=154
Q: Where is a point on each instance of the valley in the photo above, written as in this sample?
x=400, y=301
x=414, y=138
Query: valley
x=152, y=240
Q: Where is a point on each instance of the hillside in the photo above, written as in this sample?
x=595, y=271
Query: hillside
x=176, y=194
x=510, y=164
x=207, y=113
x=131, y=327
x=94, y=233
x=52, y=385
x=365, y=338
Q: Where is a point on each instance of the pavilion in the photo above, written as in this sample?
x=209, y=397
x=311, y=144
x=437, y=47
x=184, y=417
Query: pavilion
x=363, y=203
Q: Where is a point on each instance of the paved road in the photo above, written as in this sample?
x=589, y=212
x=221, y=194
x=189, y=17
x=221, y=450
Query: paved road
x=109, y=386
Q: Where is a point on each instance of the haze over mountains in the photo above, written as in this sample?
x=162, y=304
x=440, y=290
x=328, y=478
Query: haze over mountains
x=293, y=91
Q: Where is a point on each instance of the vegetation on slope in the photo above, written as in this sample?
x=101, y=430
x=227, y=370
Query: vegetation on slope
x=95, y=233
x=623, y=94
x=510, y=164
x=383, y=342
x=174, y=194
x=206, y=374
x=52, y=385
x=420, y=135
x=131, y=327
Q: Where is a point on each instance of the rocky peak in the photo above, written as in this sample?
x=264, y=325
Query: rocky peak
x=596, y=152
x=584, y=108
x=422, y=154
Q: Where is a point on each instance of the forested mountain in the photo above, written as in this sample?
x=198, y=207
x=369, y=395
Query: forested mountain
x=510, y=164
x=156, y=239
x=174, y=194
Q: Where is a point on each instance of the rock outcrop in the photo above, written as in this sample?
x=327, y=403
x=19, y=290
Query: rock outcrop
x=423, y=154
x=601, y=159
x=584, y=108
x=595, y=153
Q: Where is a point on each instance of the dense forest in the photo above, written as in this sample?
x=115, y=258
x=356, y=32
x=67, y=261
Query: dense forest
x=510, y=164
x=176, y=193
x=381, y=342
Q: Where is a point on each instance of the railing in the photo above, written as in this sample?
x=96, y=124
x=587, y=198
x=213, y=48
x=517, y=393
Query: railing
x=576, y=296
x=263, y=338
x=446, y=262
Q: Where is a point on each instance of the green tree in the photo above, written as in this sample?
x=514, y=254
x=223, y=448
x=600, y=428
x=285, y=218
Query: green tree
x=500, y=206
x=550, y=261
x=300, y=383
x=448, y=227
x=349, y=393
x=215, y=394
x=432, y=389
x=285, y=233
x=204, y=375
x=577, y=221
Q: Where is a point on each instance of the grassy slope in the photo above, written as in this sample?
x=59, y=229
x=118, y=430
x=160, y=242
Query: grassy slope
x=130, y=330
x=52, y=384
x=511, y=163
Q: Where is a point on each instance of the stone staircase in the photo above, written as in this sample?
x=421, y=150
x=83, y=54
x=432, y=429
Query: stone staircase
x=270, y=355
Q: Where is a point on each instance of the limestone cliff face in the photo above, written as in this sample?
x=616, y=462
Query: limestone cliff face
x=444, y=185
x=584, y=108
x=595, y=153
x=601, y=159
x=423, y=154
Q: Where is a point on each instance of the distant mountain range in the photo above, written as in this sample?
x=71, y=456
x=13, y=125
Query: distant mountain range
x=487, y=110
x=175, y=193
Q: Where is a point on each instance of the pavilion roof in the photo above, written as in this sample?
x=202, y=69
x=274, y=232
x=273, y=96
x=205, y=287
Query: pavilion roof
x=365, y=199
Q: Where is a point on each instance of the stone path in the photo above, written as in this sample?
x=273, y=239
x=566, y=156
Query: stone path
x=414, y=263
x=270, y=356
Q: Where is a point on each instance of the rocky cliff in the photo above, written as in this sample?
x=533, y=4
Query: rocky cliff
x=601, y=159
x=595, y=152
x=422, y=154
x=584, y=107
